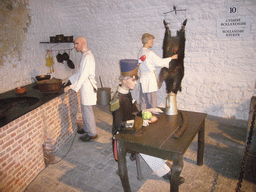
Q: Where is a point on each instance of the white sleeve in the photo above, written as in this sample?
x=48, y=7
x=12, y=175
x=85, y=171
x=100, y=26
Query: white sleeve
x=159, y=62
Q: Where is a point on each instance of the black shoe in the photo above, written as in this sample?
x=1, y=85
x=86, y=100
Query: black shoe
x=81, y=131
x=133, y=156
x=168, y=177
x=88, y=137
x=182, y=180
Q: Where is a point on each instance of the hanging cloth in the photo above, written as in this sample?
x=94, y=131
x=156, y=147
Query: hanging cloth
x=49, y=60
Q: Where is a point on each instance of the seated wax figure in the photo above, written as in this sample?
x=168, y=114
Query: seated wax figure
x=123, y=108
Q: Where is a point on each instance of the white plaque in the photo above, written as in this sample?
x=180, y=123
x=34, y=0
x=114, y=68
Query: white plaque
x=233, y=27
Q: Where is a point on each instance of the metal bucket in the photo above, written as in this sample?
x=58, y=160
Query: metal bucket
x=104, y=96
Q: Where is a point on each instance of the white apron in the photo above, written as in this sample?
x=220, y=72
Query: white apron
x=148, y=78
x=84, y=80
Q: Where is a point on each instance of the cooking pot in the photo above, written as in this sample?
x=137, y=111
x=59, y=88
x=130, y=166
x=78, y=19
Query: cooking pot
x=53, y=39
x=68, y=38
x=60, y=38
x=53, y=85
x=42, y=77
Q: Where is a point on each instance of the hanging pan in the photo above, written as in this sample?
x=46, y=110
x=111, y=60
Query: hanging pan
x=59, y=58
x=70, y=64
x=65, y=56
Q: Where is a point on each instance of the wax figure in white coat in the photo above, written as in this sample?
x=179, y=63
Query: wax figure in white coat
x=148, y=78
x=122, y=107
x=84, y=80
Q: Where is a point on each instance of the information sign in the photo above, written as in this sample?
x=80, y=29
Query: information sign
x=233, y=27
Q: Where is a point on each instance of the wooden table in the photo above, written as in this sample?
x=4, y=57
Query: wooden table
x=157, y=140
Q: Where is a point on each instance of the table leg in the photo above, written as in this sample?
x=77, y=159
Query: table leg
x=139, y=174
x=175, y=175
x=200, y=151
x=122, y=167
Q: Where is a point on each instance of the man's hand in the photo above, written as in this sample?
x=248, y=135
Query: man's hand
x=66, y=89
x=174, y=56
x=155, y=110
x=146, y=122
x=129, y=123
x=65, y=81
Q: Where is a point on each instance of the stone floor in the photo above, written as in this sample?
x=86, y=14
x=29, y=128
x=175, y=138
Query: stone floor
x=81, y=166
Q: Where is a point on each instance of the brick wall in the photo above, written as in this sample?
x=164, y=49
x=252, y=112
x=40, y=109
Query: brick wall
x=21, y=141
x=219, y=72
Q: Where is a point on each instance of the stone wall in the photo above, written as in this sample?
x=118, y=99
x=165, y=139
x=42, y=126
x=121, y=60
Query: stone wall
x=22, y=141
x=219, y=71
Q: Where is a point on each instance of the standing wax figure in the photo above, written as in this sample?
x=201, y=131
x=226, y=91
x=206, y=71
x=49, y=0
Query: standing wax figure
x=84, y=80
x=148, y=78
x=123, y=108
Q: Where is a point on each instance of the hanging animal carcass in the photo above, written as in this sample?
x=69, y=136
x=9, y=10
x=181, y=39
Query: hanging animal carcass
x=173, y=45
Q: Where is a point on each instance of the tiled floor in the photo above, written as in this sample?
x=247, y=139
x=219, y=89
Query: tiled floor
x=90, y=166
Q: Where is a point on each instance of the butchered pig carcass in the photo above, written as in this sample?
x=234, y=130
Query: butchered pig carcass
x=173, y=45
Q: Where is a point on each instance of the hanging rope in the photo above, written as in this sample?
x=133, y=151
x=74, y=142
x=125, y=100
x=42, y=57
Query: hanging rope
x=248, y=145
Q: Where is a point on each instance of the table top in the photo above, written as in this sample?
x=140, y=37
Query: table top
x=157, y=137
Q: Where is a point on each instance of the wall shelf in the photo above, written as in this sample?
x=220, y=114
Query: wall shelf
x=56, y=42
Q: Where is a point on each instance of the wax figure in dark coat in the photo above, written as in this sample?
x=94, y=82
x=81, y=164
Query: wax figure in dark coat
x=125, y=112
x=123, y=109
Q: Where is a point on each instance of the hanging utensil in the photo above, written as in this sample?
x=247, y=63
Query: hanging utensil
x=70, y=64
x=59, y=58
x=65, y=56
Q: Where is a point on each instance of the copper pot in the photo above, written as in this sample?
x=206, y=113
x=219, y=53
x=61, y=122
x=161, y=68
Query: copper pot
x=20, y=90
x=50, y=86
